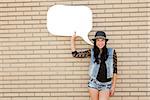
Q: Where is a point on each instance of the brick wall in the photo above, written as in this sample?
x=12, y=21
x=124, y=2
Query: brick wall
x=36, y=65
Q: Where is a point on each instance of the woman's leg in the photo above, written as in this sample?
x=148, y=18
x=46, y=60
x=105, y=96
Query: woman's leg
x=94, y=94
x=104, y=94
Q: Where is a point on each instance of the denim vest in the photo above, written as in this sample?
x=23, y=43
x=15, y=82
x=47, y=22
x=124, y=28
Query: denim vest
x=94, y=67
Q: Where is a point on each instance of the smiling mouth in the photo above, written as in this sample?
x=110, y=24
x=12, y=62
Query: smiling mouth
x=100, y=46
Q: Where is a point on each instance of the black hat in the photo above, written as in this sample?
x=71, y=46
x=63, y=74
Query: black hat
x=101, y=35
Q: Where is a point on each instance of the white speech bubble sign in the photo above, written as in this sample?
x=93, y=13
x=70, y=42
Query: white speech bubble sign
x=63, y=20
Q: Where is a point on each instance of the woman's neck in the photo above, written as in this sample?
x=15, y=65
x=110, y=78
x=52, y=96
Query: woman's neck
x=100, y=50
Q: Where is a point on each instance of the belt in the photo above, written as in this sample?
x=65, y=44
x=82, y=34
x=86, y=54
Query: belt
x=96, y=81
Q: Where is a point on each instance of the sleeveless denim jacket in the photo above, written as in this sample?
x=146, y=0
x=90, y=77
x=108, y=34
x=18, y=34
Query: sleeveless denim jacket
x=94, y=67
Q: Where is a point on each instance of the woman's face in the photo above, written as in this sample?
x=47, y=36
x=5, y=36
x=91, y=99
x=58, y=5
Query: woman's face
x=100, y=43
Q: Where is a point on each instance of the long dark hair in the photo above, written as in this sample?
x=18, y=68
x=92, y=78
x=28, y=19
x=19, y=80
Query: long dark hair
x=103, y=56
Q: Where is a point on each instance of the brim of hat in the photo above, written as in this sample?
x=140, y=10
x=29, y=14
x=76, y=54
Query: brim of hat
x=100, y=38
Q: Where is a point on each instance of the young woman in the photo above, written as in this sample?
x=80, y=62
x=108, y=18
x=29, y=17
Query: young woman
x=103, y=67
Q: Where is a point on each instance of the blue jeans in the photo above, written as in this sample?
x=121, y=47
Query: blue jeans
x=93, y=83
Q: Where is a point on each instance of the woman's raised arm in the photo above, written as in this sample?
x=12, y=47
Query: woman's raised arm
x=73, y=38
